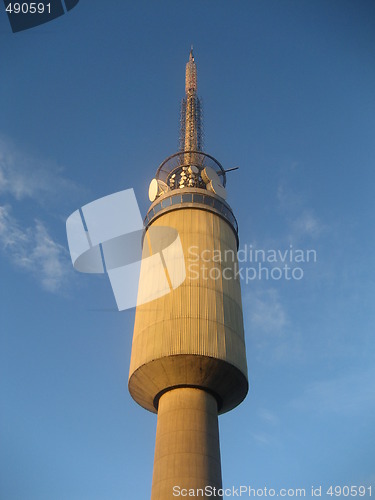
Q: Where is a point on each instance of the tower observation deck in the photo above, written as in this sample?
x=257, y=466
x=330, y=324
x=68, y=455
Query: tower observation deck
x=188, y=361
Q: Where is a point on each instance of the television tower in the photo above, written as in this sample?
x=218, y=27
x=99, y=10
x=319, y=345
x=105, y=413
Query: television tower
x=188, y=361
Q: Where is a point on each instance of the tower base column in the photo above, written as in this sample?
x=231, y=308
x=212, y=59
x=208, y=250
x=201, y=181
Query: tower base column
x=187, y=450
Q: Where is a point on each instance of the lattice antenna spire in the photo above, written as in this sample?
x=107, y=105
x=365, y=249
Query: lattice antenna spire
x=191, y=74
x=191, y=111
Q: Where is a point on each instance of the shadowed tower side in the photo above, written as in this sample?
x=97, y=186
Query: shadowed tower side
x=188, y=361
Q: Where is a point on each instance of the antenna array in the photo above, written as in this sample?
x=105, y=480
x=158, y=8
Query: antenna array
x=191, y=120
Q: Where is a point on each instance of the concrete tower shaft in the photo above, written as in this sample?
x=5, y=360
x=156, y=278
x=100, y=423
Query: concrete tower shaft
x=187, y=449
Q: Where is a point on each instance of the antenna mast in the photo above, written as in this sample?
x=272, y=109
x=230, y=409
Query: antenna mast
x=191, y=129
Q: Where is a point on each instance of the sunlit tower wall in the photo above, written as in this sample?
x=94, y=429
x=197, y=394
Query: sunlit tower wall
x=188, y=361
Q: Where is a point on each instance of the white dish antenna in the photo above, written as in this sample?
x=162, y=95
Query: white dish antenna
x=156, y=188
x=217, y=188
x=208, y=174
x=193, y=170
x=213, y=182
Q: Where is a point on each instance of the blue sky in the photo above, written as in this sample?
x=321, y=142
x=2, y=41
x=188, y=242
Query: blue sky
x=90, y=106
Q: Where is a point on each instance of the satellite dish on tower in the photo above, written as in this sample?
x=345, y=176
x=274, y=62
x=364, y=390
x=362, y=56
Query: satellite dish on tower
x=213, y=182
x=193, y=170
x=217, y=188
x=156, y=188
x=209, y=174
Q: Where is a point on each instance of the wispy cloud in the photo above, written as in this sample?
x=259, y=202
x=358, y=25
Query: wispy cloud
x=268, y=435
x=265, y=311
x=307, y=224
x=25, y=176
x=301, y=218
x=268, y=417
x=262, y=438
x=270, y=331
x=29, y=184
x=34, y=250
x=287, y=199
x=347, y=394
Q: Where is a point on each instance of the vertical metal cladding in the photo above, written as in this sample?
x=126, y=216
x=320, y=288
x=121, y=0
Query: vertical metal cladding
x=194, y=335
